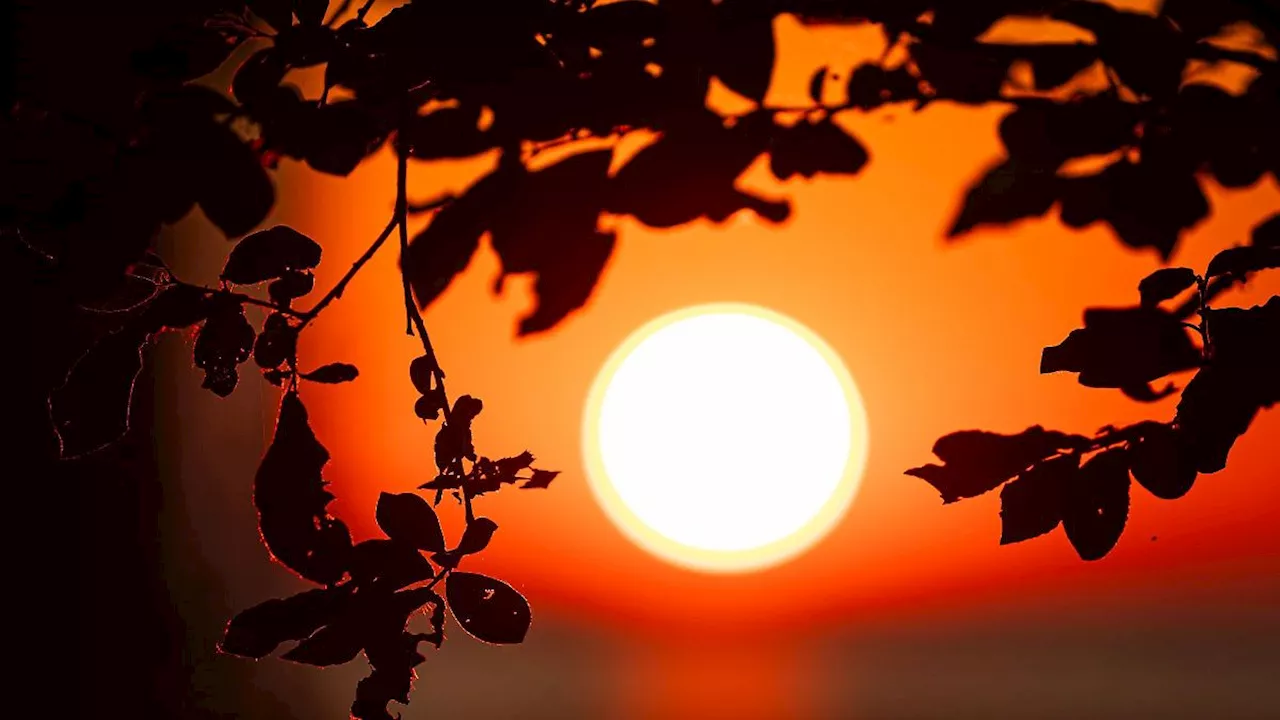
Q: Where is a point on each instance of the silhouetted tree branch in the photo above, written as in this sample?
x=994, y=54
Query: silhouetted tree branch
x=117, y=150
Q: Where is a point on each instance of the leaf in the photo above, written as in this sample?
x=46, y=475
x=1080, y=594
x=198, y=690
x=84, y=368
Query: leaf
x=540, y=479
x=1148, y=204
x=1164, y=284
x=1242, y=260
x=90, y=410
x=256, y=632
x=1267, y=233
x=1031, y=505
x=292, y=285
x=690, y=172
x=965, y=72
x=1096, y=505
x=1123, y=347
x=269, y=254
x=1221, y=401
x=451, y=132
x=871, y=86
x=232, y=187
x=175, y=307
x=811, y=148
x=977, y=461
x=333, y=644
x=421, y=371
x=291, y=497
x=742, y=52
x=1044, y=133
x=333, y=373
x=816, y=85
x=407, y=518
x=1008, y=192
x=223, y=342
x=277, y=343
x=310, y=12
x=549, y=228
x=1161, y=464
x=453, y=440
x=277, y=13
x=1147, y=51
x=444, y=248
x=389, y=562
x=488, y=609
x=477, y=536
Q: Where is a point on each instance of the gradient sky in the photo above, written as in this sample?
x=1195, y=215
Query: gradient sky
x=908, y=608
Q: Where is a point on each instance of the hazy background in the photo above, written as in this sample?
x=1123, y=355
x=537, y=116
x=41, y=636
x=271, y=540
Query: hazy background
x=907, y=610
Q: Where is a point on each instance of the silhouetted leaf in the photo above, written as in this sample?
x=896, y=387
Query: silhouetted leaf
x=310, y=12
x=488, y=609
x=690, y=173
x=277, y=343
x=453, y=440
x=1267, y=233
x=476, y=537
x=816, y=85
x=392, y=563
x=1242, y=260
x=1008, y=192
x=91, y=408
x=1147, y=51
x=1123, y=347
x=174, y=307
x=421, y=372
x=1144, y=392
x=1164, y=284
x=232, y=187
x=540, y=479
x=1160, y=463
x=269, y=254
x=256, y=632
x=333, y=644
x=811, y=148
x=977, y=462
x=1097, y=504
x=548, y=227
x=444, y=248
x=1054, y=64
x=1221, y=401
x=292, y=284
x=1147, y=205
x=451, y=132
x=407, y=518
x=871, y=86
x=277, y=13
x=1044, y=133
x=1031, y=505
x=224, y=341
x=333, y=373
x=743, y=51
x=970, y=73
x=291, y=498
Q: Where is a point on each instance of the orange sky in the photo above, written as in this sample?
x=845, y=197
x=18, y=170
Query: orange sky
x=852, y=263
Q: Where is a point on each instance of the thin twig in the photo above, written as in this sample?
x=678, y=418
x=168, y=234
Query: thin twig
x=337, y=290
x=364, y=10
x=338, y=12
x=241, y=297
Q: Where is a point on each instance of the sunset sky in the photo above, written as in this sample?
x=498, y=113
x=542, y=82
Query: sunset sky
x=907, y=608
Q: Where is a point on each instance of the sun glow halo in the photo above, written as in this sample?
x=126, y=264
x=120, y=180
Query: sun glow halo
x=725, y=437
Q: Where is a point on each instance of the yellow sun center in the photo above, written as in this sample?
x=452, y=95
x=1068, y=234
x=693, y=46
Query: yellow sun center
x=725, y=437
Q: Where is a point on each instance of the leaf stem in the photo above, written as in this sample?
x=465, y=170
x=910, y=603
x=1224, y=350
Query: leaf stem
x=241, y=297
x=336, y=291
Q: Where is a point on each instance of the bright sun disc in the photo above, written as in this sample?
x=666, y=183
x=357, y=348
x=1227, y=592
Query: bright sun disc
x=725, y=437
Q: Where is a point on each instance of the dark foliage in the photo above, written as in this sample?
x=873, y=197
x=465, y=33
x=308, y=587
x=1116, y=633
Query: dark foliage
x=110, y=130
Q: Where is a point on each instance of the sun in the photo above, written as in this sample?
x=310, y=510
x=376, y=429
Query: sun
x=725, y=437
